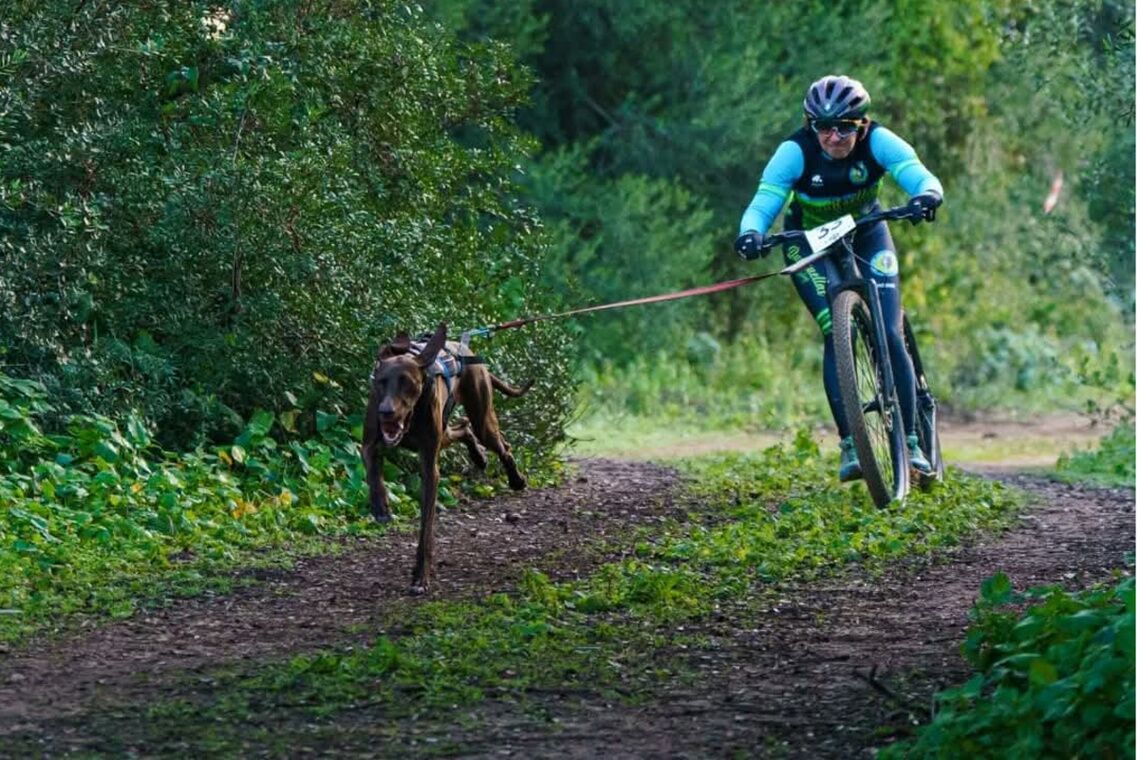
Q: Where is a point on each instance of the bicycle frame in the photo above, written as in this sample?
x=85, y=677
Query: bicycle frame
x=852, y=278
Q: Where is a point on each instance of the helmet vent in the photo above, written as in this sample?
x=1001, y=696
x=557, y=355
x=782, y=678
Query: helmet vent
x=836, y=97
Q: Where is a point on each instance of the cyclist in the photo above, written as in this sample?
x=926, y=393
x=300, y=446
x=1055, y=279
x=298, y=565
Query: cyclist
x=832, y=166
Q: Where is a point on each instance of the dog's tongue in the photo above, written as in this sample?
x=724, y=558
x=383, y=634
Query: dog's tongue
x=391, y=429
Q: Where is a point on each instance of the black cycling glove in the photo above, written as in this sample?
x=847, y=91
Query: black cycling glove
x=749, y=246
x=924, y=204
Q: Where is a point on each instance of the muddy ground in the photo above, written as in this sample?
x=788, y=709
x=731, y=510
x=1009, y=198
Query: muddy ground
x=818, y=674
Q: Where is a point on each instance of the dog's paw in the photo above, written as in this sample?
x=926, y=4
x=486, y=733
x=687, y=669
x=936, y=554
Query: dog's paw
x=382, y=517
x=417, y=589
x=517, y=483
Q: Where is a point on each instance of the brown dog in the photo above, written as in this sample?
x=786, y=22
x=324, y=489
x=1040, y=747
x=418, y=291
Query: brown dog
x=410, y=397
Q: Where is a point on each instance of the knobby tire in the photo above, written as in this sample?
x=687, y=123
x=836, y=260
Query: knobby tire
x=880, y=441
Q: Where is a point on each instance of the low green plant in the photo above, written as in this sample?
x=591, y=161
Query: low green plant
x=746, y=384
x=1112, y=463
x=757, y=384
x=1056, y=681
x=98, y=519
x=786, y=523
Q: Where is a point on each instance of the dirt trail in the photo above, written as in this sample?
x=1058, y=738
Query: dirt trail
x=799, y=683
x=328, y=600
x=794, y=683
x=990, y=444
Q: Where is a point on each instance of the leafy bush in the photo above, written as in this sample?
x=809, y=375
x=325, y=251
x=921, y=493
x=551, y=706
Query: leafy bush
x=1056, y=681
x=1020, y=360
x=631, y=237
x=201, y=206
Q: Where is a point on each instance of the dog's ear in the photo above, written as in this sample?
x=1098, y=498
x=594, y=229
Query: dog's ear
x=401, y=344
x=427, y=356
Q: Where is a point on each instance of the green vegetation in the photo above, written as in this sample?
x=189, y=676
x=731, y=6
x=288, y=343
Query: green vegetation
x=98, y=519
x=656, y=120
x=729, y=390
x=225, y=207
x=712, y=386
x=209, y=209
x=764, y=519
x=1055, y=682
x=1112, y=463
x=212, y=213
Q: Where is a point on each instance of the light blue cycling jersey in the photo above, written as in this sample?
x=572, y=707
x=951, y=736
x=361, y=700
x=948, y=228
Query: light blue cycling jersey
x=833, y=188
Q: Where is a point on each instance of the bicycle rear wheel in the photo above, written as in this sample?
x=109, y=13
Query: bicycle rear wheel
x=926, y=410
x=874, y=420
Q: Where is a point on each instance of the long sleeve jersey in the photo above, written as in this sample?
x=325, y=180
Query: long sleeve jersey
x=823, y=188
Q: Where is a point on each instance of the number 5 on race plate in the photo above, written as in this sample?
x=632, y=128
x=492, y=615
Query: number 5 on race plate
x=824, y=236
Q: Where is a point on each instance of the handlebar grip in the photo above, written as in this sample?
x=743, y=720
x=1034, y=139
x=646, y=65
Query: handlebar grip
x=771, y=241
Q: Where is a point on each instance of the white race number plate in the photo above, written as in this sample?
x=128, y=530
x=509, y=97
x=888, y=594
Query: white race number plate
x=826, y=235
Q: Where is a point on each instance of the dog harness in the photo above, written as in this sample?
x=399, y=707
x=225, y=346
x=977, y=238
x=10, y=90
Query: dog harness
x=449, y=366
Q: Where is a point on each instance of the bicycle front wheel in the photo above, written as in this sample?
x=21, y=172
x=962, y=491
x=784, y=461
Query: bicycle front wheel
x=875, y=421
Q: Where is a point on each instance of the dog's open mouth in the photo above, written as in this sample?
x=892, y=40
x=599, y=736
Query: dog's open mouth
x=392, y=431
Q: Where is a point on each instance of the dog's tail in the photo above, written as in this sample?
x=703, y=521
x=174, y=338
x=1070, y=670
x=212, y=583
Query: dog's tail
x=510, y=390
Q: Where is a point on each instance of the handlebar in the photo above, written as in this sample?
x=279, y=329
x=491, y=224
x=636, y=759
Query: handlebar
x=889, y=214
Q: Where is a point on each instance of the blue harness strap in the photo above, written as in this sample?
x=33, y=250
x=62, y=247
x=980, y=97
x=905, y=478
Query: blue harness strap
x=449, y=366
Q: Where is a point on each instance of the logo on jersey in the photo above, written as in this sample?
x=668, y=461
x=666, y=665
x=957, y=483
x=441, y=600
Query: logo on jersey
x=816, y=180
x=885, y=263
x=858, y=173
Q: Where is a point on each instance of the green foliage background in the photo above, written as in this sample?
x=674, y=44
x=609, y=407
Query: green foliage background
x=1016, y=306
x=197, y=222
x=211, y=214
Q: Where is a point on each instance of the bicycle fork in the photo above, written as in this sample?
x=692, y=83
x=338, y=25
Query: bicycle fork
x=886, y=402
x=868, y=290
x=883, y=351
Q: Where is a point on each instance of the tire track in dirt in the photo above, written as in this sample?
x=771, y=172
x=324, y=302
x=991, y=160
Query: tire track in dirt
x=827, y=665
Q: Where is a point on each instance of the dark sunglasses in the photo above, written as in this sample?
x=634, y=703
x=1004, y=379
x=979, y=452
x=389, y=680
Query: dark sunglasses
x=842, y=127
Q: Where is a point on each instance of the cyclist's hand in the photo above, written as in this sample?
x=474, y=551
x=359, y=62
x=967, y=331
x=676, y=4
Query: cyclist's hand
x=750, y=245
x=924, y=204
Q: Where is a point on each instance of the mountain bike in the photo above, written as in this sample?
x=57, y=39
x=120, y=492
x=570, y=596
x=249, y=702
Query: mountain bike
x=866, y=382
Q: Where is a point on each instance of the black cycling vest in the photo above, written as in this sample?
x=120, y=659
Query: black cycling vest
x=850, y=185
